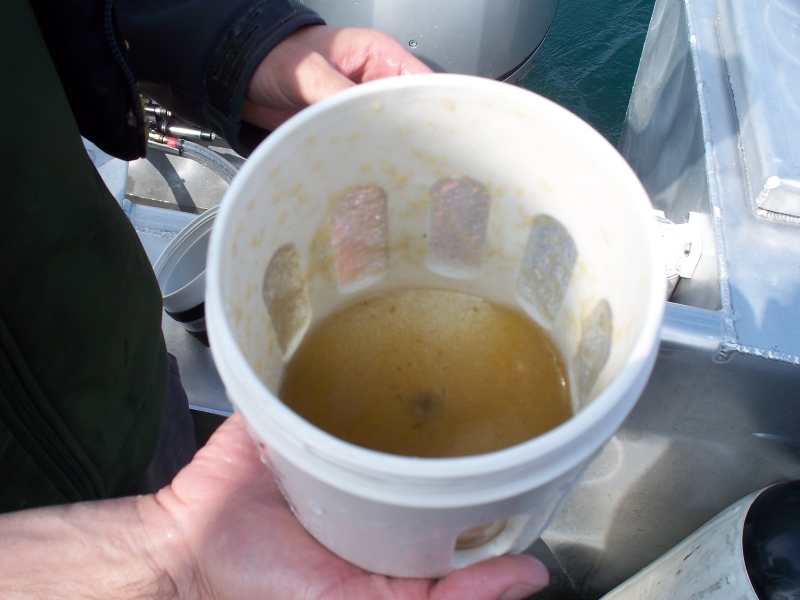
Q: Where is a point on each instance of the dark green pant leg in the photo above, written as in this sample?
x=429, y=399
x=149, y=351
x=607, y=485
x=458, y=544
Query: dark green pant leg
x=83, y=368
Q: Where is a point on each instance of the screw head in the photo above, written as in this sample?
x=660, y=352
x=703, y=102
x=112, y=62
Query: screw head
x=412, y=43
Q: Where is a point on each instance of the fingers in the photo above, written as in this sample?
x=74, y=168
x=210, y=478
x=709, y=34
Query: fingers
x=365, y=55
x=268, y=118
x=503, y=578
x=316, y=62
x=315, y=78
x=295, y=74
x=226, y=465
x=243, y=537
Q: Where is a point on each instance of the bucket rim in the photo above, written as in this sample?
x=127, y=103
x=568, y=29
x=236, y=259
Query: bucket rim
x=174, y=252
x=301, y=433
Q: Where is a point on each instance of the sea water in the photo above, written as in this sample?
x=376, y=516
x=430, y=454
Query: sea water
x=589, y=59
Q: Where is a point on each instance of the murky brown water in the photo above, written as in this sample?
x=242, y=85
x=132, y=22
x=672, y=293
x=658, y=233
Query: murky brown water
x=428, y=373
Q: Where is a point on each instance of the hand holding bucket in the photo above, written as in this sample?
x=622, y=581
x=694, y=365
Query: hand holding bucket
x=565, y=236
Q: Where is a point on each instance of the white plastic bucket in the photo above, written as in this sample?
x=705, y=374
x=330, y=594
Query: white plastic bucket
x=181, y=274
x=397, y=515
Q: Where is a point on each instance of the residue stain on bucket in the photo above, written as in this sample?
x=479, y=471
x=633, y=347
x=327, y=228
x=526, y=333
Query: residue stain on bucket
x=237, y=313
x=321, y=259
x=258, y=238
x=494, y=192
x=428, y=373
x=410, y=249
x=430, y=161
x=546, y=185
x=416, y=208
x=399, y=180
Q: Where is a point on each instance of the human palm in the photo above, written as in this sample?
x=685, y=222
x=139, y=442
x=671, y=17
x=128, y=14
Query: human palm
x=242, y=541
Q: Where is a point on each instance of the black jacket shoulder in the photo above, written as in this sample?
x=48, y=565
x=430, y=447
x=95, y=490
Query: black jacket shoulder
x=196, y=57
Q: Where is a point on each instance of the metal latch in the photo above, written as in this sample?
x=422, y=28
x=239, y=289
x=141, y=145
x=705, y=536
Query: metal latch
x=682, y=245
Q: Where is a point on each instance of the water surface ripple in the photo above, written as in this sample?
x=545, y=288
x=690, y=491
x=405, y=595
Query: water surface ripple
x=589, y=59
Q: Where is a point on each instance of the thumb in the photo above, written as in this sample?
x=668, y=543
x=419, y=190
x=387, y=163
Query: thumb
x=311, y=79
x=294, y=75
x=502, y=578
x=275, y=94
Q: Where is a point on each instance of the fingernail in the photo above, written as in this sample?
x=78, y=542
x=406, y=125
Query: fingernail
x=518, y=592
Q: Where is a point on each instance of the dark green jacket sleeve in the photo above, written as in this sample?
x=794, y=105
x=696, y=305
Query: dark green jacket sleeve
x=197, y=56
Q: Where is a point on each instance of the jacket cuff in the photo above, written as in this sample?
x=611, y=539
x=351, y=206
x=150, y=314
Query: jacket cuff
x=246, y=42
x=196, y=57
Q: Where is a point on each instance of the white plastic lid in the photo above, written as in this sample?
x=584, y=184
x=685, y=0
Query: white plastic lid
x=181, y=268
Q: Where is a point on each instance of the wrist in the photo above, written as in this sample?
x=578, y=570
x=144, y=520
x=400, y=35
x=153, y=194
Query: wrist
x=165, y=549
x=122, y=549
